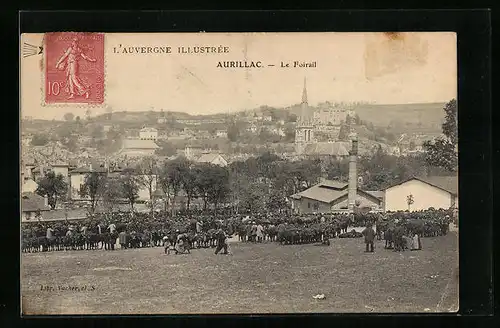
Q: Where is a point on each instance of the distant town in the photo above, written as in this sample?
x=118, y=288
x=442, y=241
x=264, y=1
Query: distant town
x=116, y=140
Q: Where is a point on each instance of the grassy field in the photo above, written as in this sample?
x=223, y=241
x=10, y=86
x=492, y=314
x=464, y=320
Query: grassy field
x=263, y=278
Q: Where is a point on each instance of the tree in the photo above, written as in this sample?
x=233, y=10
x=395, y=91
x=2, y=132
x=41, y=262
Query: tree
x=71, y=143
x=112, y=193
x=64, y=132
x=39, y=139
x=97, y=132
x=338, y=170
x=219, y=184
x=148, y=170
x=52, y=186
x=233, y=132
x=166, y=149
x=203, y=181
x=252, y=197
x=189, y=178
x=93, y=187
x=171, y=180
x=305, y=173
x=443, y=152
x=69, y=117
x=276, y=202
x=265, y=136
x=409, y=201
x=130, y=187
x=344, y=132
x=289, y=133
x=449, y=126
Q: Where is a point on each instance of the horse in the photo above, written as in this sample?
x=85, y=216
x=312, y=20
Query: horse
x=109, y=240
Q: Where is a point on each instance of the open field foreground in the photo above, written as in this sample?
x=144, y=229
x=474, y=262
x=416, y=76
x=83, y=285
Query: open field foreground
x=257, y=278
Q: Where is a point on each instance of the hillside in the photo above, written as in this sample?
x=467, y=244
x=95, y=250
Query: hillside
x=401, y=118
x=427, y=114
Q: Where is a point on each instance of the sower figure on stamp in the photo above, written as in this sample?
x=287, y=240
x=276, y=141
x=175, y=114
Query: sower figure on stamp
x=74, y=85
x=369, y=234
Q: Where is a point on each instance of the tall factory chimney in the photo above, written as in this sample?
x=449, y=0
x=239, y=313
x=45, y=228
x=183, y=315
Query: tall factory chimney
x=353, y=174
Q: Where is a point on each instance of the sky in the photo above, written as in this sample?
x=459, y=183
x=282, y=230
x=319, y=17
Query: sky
x=371, y=67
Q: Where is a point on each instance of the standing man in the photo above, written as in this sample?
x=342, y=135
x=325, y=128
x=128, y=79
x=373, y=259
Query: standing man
x=112, y=228
x=50, y=231
x=221, y=242
x=122, y=237
x=254, y=231
x=260, y=232
x=369, y=234
x=199, y=226
x=281, y=231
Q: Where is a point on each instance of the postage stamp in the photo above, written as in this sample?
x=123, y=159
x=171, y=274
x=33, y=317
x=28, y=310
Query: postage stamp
x=74, y=68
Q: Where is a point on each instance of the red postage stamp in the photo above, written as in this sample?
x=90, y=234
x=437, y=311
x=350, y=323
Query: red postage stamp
x=74, y=68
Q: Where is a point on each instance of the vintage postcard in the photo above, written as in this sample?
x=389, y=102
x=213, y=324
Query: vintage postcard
x=206, y=173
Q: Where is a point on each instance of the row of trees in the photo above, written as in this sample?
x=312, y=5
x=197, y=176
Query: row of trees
x=259, y=183
x=173, y=178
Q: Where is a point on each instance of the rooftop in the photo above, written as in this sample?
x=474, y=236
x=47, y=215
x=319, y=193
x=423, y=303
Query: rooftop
x=320, y=193
x=139, y=144
x=328, y=148
x=209, y=158
x=149, y=130
x=31, y=202
x=60, y=165
x=86, y=169
x=446, y=183
x=329, y=190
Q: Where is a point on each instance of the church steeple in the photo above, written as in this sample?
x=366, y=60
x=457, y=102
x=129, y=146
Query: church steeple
x=304, y=130
x=304, y=93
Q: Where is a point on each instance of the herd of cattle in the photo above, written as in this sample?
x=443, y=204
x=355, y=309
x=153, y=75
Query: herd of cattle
x=140, y=231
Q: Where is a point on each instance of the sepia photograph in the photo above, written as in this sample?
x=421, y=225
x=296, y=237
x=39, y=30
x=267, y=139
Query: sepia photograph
x=238, y=173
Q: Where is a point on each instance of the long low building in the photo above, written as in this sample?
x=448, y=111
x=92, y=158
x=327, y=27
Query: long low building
x=332, y=196
x=138, y=148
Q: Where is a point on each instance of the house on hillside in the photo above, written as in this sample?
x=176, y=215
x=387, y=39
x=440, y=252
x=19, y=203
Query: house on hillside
x=33, y=206
x=29, y=165
x=332, y=196
x=39, y=172
x=213, y=158
x=148, y=134
x=28, y=184
x=138, y=147
x=77, y=178
x=192, y=151
x=107, y=127
x=252, y=128
x=221, y=133
x=62, y=169
x=436, y=192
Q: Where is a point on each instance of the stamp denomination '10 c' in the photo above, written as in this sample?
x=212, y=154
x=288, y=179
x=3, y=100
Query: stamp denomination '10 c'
x=74, y=68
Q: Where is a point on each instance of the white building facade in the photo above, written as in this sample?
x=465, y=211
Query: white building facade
x=148, y=134
x=422, y=195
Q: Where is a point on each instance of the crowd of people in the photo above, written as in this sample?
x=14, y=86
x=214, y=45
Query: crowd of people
x=400, y=230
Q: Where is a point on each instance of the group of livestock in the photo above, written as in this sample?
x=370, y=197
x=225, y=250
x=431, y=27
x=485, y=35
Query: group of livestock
x=136, y=230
